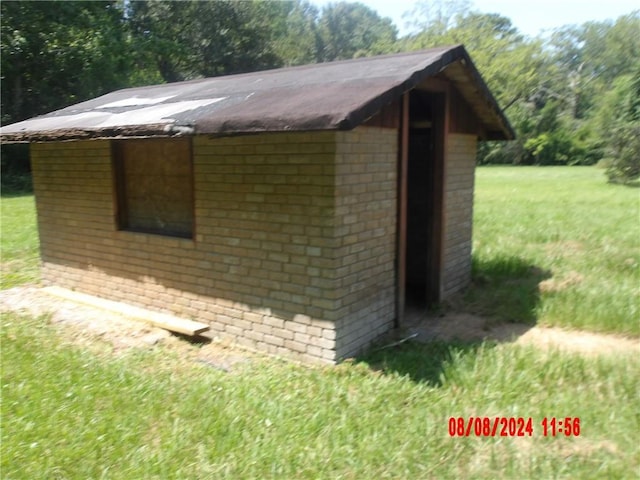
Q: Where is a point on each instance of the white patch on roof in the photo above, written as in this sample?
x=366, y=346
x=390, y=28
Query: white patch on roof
x=134, y=101
x=154, y=114
x=150, y=115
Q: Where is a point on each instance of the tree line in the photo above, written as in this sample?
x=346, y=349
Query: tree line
x=573, y=97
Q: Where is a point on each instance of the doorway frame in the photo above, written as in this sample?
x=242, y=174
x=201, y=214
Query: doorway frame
x=440, y=97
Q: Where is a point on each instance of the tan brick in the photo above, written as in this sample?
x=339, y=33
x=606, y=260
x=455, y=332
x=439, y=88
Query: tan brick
x=261, y=328
x=302, y=338
x=282, y=333
x=274, y=322
x=267, y=238
x=329, y=334
x=295, y=327
x=314, y=350
x=295, y=346
x=274, y=340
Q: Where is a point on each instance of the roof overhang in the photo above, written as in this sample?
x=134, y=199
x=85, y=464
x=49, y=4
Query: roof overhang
x=326, y=96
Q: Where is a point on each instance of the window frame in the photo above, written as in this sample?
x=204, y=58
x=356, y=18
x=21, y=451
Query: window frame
x=120, y=194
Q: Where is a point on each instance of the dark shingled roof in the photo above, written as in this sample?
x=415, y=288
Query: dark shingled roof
x=325, y=96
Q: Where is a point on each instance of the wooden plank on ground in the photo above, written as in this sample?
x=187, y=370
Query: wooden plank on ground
x=161, y=320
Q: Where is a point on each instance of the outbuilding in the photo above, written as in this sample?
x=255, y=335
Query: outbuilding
x=296, y=211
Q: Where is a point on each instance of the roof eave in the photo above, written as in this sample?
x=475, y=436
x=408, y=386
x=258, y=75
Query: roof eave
x=130, y=131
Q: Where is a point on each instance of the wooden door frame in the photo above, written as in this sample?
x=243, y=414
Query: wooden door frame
x=440, y=136
x=401, y=247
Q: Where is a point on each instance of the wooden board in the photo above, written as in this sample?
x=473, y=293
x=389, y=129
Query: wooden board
x=161, y=320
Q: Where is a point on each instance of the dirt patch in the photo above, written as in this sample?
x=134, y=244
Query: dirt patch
x=579, y=341
x=563, y=249
x=94, y=328
x=466, y=327
x=559, y=284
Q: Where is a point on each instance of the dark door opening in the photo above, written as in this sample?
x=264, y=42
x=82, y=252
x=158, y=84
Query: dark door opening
x=424, y=199
x=419, y=224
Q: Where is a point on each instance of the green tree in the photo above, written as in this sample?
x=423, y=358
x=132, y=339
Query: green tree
x=349, y=30
x=619, y=128
x=57, y=53
x=191, y=39
x=300, y=43
x=433, y=19
x=509, y=62
x=588, y=74
x=512, y=65
x=586, y=60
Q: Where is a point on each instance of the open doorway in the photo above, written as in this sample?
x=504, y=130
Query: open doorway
x=424, y=195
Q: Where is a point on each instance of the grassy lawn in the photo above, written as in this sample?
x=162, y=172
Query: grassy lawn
x=564, y=227
x=73, y=412
x=19, y=246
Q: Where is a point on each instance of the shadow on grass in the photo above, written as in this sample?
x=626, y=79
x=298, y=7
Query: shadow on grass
x=504, y=288
x=421, y=362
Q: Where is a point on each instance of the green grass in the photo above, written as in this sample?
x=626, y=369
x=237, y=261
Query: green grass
x=72, y=413
x=20, y=261
x=566, y=227
x=69, y=412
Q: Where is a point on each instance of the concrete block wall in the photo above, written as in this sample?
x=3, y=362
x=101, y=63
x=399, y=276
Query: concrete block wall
x=458, y=212
x=293, y=246
x=366, y=193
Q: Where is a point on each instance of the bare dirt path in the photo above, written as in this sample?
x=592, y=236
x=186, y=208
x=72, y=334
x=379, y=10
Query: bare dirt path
x=470, y=328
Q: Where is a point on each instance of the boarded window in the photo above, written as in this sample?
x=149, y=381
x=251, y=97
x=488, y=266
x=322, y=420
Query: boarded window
x=154, y=186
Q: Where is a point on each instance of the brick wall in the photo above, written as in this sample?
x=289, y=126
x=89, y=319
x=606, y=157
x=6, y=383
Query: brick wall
x=458, y=212
x=286, y=259
x=366, y=192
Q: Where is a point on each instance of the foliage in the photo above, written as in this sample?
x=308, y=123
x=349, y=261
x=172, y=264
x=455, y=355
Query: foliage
x=349, y=30
x=301, y=42
x=624, y=166
x=57, y=53
x=508, y=62
x=588, y=58
x=554, y=147
x=192, y=39
x=71, y=412
x=339, y=31
x=585, y=63
x=619, y=121
x=551, y=91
